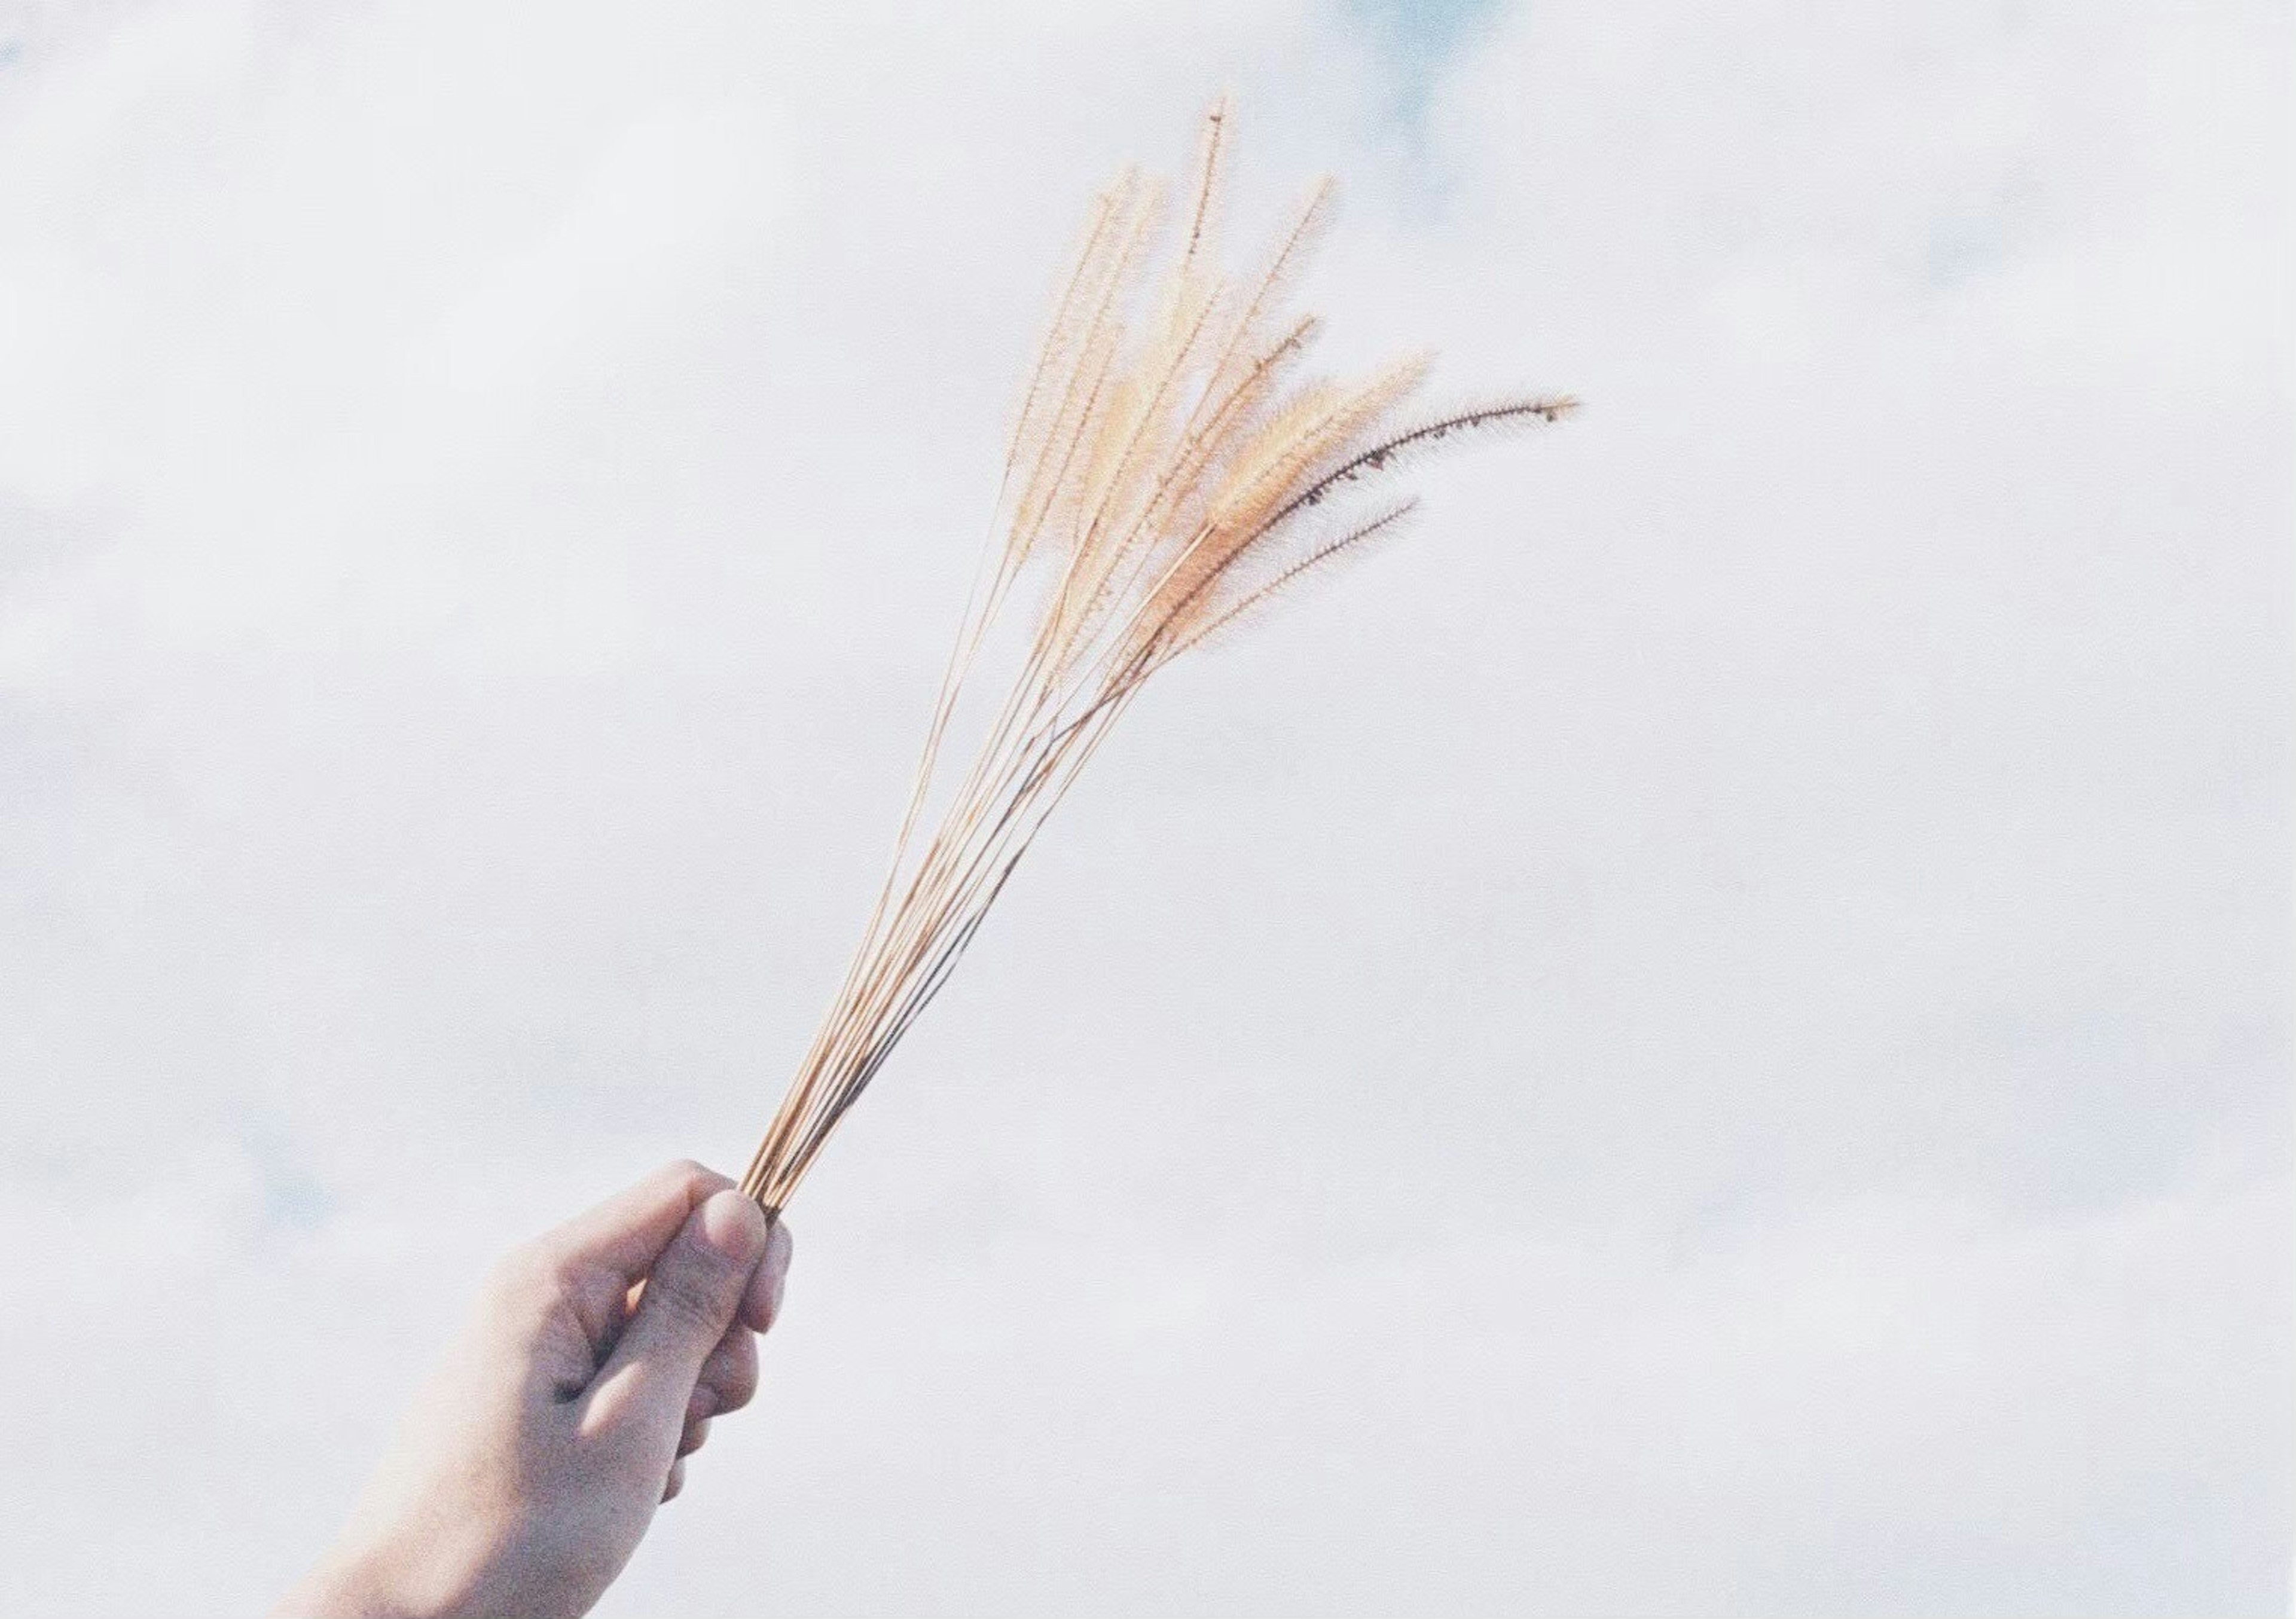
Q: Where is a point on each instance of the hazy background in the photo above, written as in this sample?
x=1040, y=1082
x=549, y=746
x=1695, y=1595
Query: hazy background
x=1708, y=1036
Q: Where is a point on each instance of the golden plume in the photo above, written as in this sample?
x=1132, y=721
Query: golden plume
x=1161, y=487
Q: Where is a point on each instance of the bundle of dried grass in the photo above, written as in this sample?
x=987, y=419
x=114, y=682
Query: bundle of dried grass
x=1165, y=480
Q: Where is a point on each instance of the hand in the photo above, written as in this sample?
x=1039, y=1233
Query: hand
x=536, y=1453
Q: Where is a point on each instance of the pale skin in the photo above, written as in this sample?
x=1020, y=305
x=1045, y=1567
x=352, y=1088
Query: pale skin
x=560, y=1418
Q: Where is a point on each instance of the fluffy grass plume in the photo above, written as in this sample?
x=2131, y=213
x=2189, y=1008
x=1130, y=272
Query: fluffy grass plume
x=1169, y=475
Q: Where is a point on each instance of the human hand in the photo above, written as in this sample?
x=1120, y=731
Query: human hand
x=534, y=1456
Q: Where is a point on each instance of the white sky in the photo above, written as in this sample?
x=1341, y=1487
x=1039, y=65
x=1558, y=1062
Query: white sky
x=1707, y=1036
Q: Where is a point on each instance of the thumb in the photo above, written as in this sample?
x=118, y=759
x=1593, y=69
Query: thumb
x=691, y=1297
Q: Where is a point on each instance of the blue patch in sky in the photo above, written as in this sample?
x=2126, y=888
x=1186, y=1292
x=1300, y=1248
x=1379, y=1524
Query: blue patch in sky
x=1417, y=39
x=293, y=1197
x=1977, y=239
x=1960, y=251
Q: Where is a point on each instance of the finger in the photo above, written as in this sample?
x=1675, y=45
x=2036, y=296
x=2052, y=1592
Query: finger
x=676, y=1482
x=690, y=1302
x=762, y=1304
x=696, y=1435
x=627, y=1232
x=729, y=1377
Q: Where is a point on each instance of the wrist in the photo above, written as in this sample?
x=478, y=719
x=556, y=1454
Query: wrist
x=353, y=1585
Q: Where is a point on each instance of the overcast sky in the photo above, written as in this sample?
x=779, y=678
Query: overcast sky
x=1707, y=1036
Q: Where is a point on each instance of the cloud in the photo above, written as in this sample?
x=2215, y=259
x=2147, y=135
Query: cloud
x=1709, y=1035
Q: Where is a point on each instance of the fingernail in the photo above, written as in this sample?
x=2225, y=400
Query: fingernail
x=733, y=1226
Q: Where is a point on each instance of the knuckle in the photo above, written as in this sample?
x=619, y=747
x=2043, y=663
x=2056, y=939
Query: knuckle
x=518, y=1264
x=736, y=1380
x=694, y=1175
x=525, y=1274
x=688, y=1298
x=538, y=1275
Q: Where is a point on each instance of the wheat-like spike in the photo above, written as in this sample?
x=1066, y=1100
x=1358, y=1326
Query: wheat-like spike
x=1209, y=151
x=1318, y=558
x=1401, y=446
x=1232, y=407
x=1096, y=348
x=1322, y=425
x=1178, y=504
x=1029, y=430
x=1160, y=488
